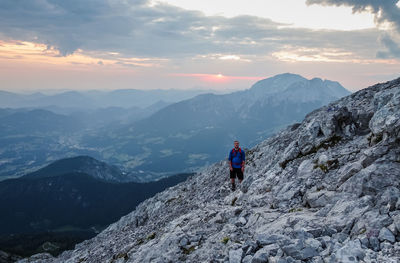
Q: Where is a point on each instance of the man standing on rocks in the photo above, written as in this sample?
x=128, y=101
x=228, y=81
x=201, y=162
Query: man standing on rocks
x=236, y=164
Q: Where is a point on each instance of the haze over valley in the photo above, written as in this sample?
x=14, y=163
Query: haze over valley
x=151, y=138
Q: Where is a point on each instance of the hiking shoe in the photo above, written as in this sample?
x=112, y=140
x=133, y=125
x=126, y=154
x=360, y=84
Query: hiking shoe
x=233, y=187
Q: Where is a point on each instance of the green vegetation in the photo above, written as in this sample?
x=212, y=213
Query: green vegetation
x=374, y=139
x=234, y=201
x=225, y=240
x=151, y=236
x=292, y=210
x=172, y=199
x=189, y=250
x=121, y=255
x=323, y=167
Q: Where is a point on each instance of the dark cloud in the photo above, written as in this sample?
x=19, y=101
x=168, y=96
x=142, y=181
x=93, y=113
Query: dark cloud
x=393, y=49
x=135, y=28
x=384, y=10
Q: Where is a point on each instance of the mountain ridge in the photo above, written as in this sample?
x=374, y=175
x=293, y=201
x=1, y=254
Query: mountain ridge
x=81, y=164
x=217, y=120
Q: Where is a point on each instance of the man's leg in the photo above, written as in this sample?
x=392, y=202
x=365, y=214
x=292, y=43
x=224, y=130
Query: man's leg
x=232, y=176
x=240, y=175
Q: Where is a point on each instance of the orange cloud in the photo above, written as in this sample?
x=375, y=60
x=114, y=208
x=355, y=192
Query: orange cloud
x=30, y=52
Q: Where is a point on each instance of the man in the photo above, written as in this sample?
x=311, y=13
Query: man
x=236, y=164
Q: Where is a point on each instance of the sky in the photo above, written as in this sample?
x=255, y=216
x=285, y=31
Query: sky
x=186, y=44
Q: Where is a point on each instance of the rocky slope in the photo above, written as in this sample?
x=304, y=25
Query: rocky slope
x=325, y=190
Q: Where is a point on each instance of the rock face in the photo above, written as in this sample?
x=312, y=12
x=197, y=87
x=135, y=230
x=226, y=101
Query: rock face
x=325, y=190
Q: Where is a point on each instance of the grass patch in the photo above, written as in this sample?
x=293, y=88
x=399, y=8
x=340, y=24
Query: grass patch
x=323, y=167
x=225, y=240
x=171, y=199
x=151, y=236
x=121, y=255
x=234, y=201
x=189, y=250
x=293, y=210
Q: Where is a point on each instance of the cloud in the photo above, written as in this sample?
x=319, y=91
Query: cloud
x=385, y=11
x=137, y=28
x=393, y=49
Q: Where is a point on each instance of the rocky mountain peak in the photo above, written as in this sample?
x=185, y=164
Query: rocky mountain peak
x=324, y=190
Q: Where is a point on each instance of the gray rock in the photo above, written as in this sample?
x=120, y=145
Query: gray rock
x=249, y=247
x=374, y=243
x=396, y=222
x=261, y=256
x=386, y=235
x=348, y=171
x=364, y=242
x=340, y=237
x=299, y=250
x=319, y=199
x=301, y=234
x=350, y=252
x=386, y=246
x=317, y=259
x=267, y=239
x=184, y=242
x=398, y=204
x=247, y=259
x=235, y=256
x=271, y=249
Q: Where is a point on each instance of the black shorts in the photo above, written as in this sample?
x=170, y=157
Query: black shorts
x=236, y=172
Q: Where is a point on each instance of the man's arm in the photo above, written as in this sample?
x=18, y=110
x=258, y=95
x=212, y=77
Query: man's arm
x=230, y=161
x=243, y=161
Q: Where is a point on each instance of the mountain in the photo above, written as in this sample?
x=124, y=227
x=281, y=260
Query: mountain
x=192, y=133
x=81, y=164
x=66, y=202
x=37, y=121
x=94, y=99
x=323, y=190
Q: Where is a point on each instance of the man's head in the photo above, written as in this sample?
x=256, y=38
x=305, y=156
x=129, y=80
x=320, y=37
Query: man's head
x=236, y=144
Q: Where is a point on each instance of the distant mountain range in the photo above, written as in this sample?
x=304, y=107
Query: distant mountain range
x=164, y=138
x=201, y=130
x=75, y=197
x=94, y=99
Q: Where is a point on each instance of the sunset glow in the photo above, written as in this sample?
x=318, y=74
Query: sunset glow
x=30, y=52
x=217, y=78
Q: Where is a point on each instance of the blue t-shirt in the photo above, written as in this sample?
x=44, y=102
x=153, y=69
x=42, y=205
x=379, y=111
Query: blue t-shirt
x=236, y=157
